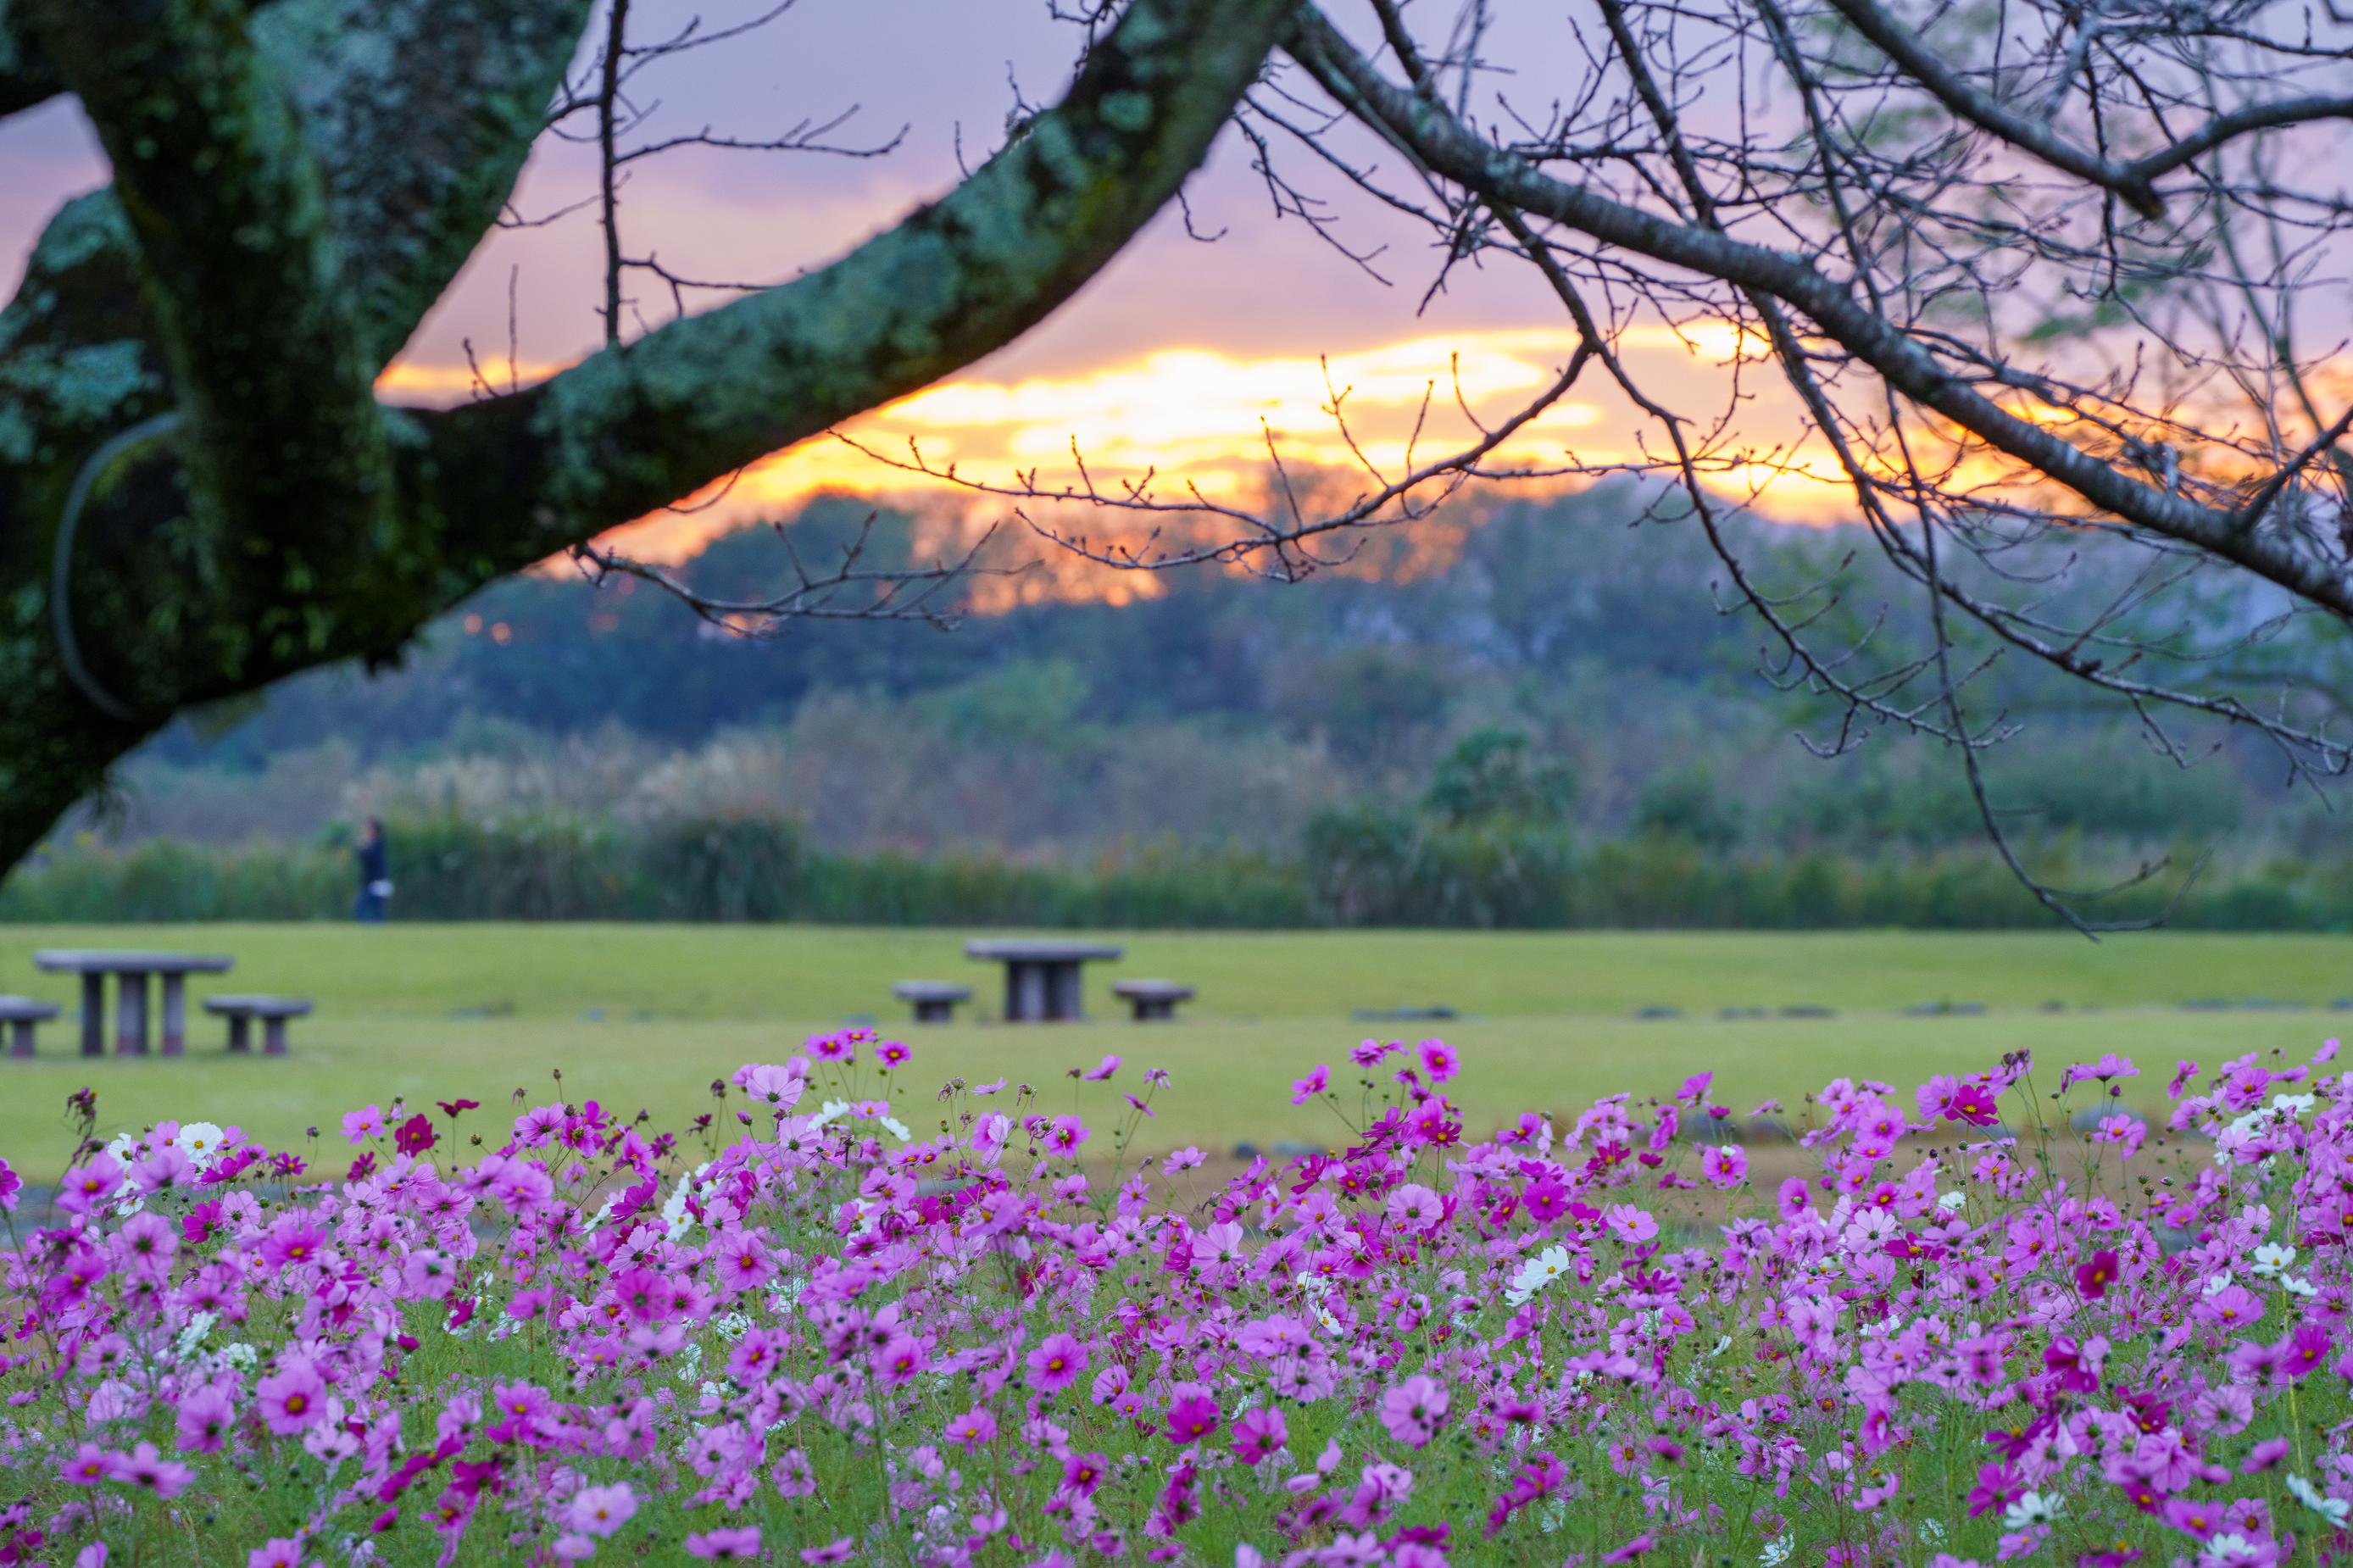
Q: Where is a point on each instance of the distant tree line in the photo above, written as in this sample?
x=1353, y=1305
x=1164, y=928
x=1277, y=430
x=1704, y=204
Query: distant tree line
x=1489, y=843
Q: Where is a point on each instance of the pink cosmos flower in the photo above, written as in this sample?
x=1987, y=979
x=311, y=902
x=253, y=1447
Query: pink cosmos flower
x=2093, y=1275
x=295, y=1239
x=1440, y=1060
x=2124, y=1130
x=292, y=1399
x=972, y=1429
x=833, y=1551
x=1192, y=1415
x=1629, y=1225
x=892, y=1054
x=150, y=1471
x=1259, y=1432
x=2109, y=1066
x=1067, y=1134
x=2306, y=1347
x=601, y=1510
x=1414, y=1410
x=1973, y=1103
x=1082, y=1473
x=1415, y=1205
x=277, y=1552
x=1056, y=1363
x=359, y=1126
x=88, y=1185
x=2264, y=1455
x=90, y=1465
x=1183, y=1160
x=2233, y=1306
x=204, y=1414
x=1102, y=1071
x=741, y=1261
x=1314, y=1084
x=1725, y=1165
x=726, y=1545
x=10, y=1186
x=415, y=1135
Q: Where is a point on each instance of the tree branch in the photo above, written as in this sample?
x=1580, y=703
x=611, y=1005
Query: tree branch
x=634, y=428
x=1453, y=150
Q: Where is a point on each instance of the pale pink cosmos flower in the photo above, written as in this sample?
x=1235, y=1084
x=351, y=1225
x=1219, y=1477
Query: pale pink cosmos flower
x=1414, y=1410
x=1629, y=1225
x=601, y=1510
x=1415, y=1205
x=726, y=1545
x=359, y=1126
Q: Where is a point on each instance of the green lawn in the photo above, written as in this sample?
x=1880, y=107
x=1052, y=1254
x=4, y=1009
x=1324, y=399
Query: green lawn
x=647, y=1015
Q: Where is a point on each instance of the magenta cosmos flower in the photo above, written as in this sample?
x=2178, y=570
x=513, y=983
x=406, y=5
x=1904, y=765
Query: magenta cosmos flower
x=1056, y=1363
x=1725, y=1165
x=1192, y=1415
x=1440, y=1060
x=292, y=1399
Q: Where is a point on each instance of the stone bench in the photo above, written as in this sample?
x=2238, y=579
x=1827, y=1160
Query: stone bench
x=274, y=1012
x=20, y=1013
x=935, y=1001
x=1152, y=999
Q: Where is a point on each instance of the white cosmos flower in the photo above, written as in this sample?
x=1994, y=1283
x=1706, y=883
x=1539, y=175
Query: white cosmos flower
x=200, y=1142
x=2031, y=1510
x=2271, y=1258
x=1777, y=1551
x=1952, y=1203
x=2294, y=1286
x=832, y=1112
x=2231, y=1549
x=897, y=1129
x=1537, y=1273
x=192, y=1338
x=2333, y=1509
x=2218, y=1282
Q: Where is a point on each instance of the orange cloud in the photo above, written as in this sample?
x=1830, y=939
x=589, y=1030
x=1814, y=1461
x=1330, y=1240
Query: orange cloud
x=1203, y=418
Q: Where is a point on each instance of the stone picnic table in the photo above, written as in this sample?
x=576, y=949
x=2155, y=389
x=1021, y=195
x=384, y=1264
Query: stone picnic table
x=1042, y=973
x=131, y=1008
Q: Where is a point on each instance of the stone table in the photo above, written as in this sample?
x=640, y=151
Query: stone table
x=131, y=1008
x=1042, y=973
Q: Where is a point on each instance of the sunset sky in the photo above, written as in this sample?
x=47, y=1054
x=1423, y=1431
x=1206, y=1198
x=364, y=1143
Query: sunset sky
x=1170, y=359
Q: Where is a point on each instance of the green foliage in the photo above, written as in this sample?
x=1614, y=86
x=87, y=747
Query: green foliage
x=1362, y=864
x=1686, y=804
x=1490, y=774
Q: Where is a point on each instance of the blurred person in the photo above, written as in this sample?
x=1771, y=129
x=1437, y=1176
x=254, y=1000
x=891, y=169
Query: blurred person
x=376, y=874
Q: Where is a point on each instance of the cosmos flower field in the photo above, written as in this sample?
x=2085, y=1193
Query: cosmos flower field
x=843, y=1318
